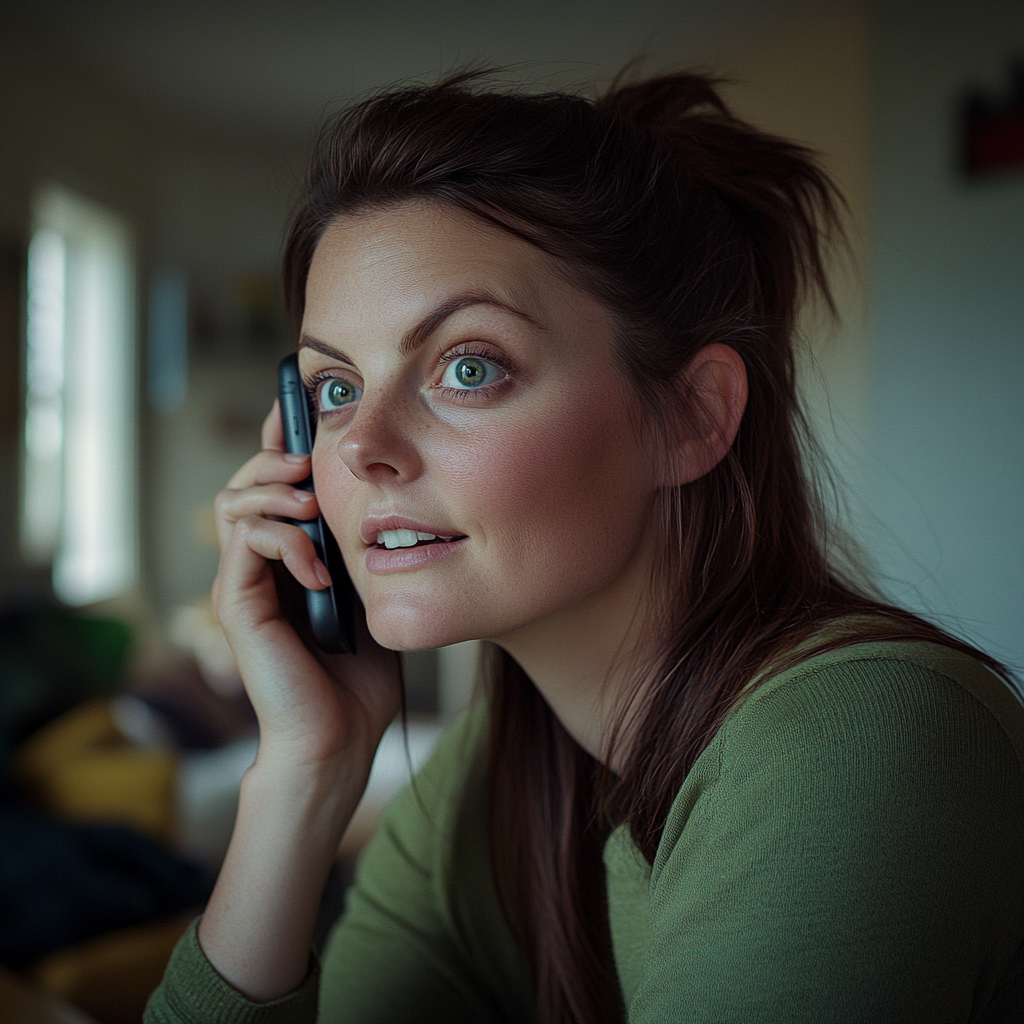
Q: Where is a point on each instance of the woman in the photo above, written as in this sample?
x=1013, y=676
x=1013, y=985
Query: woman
x=712, y=777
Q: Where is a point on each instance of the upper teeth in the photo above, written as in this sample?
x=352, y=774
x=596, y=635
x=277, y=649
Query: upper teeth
x=402, y=538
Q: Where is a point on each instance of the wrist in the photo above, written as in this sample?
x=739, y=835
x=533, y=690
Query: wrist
x=312, y=799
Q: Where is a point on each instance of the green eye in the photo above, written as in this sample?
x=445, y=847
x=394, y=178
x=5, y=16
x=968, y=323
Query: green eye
x=470, y=372
x=336, y=394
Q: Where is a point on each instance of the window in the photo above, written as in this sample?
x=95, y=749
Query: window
x=79, y=483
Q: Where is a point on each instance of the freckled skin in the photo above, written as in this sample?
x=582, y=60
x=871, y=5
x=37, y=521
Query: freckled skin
x=544, y=475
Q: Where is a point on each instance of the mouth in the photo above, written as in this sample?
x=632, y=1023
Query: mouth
x=391, y=539
x=384, y=558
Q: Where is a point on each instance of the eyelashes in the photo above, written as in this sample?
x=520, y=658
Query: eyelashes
x=475, y=353
x=312, y=386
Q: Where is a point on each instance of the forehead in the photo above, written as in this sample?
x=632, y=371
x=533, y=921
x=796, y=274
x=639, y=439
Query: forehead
x=408, y=255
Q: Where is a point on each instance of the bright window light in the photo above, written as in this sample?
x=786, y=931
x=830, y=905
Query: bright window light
x=79, y=507
x=44, y=407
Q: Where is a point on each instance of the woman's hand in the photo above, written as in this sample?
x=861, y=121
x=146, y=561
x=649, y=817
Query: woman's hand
x=311, y=707
x=321, y=718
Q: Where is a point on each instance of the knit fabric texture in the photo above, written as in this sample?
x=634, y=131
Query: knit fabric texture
x=850, y=847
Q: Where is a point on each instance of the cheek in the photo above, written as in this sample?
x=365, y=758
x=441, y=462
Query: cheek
x=336, y=491
x=560, y=487
x=550, y=485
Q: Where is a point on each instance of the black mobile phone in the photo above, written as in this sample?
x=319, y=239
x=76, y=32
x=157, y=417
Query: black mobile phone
x=331, y=610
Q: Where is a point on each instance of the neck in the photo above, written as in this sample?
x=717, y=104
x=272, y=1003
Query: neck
x=583, y=659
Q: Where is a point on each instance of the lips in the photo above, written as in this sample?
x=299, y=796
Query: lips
x=382, y=561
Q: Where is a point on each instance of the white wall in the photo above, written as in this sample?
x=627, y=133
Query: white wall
x=947, y=416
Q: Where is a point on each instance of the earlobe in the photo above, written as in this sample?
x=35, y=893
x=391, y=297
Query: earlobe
x=715, y=385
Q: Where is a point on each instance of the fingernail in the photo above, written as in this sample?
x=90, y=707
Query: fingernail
x=321, y=572
x=295, y=457
x=303, y=495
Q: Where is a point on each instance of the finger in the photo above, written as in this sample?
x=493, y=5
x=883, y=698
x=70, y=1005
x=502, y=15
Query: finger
x=255, y=540
x=265, y=500
x=273, y=430
x=271, y=467
x=268, y=500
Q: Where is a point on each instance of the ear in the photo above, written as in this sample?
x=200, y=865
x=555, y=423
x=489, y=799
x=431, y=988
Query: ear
x=716, y=382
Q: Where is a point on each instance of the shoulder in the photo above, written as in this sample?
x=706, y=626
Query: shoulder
x=908, y=696
x=855, y=832
x=872, y=708
x=420, y=822
x=457, y=756
x=858, y=738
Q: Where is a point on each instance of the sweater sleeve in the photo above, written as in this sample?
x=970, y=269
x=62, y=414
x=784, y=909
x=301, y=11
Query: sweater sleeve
x=422, y=938
x=192, y=992
x=851, y=848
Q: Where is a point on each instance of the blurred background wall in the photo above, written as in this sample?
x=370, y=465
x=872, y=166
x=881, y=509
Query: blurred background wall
x=946, y=438
x=192, y=120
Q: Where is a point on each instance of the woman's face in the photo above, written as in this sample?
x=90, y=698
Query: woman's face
x=466, y=390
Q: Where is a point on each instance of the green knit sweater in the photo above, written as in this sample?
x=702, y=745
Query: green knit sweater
x=850, y=847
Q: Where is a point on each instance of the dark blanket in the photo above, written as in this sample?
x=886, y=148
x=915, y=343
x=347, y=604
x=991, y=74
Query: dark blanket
x=62, y=883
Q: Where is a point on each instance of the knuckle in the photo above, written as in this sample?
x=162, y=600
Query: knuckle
x=247, y=527
x=271, y=466
x=216, y=592
x=297, y=547
x=221, y=503
x=292, y=541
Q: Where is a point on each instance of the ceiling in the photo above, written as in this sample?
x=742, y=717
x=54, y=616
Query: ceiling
x=272, y=67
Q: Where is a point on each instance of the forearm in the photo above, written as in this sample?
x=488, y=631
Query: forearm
x=257, y=927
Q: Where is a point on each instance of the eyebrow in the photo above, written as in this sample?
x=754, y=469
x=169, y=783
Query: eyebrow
x=413, y=339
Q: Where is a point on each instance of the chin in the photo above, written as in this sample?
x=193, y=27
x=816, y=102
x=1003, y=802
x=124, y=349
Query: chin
x=401, y=625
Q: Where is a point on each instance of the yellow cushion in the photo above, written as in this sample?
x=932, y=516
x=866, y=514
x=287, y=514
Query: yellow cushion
x=80, y=768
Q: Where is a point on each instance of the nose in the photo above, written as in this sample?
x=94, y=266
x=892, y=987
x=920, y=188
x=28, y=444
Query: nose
x=379, y=445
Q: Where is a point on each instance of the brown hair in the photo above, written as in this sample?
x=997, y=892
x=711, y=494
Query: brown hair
x=691, y=227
